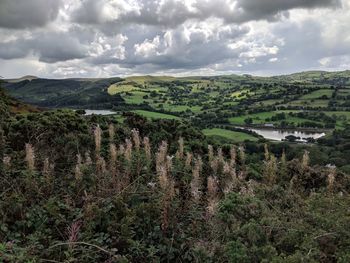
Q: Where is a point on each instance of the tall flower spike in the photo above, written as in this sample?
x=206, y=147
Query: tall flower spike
x=188, y=161
x=73, y=233
x=111, y=132
x=77, y=172
x=101, y=166
x=230, y=179
x=136, y=138
x=196, y=182
x=220, y=157
x=214, y=164
x=161, y=155
x=88, y=160
x=181, y=148
x=98, y=138
x=169, y=163
x=210, y=153
x=213, y=196
x=233, y=156
x=128, y=150
x=113, y=155
x=306, y=160
x=147, y=147
x=163, y=178
x=270, y=170
x=6, y=160
x=121, y=150
x=30, y=157
x=79, y=159
x=331, y=179
x=242, y=154
x=266, y=152
x=46, y=167
x=283, y=171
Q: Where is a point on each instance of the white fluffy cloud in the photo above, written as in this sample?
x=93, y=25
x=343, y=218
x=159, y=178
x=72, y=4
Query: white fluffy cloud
x=99, y=38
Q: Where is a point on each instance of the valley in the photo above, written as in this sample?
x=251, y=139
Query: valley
x=314, y=101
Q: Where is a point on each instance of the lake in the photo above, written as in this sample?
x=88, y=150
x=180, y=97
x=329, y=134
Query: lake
x=99, y=112
x=279, y=135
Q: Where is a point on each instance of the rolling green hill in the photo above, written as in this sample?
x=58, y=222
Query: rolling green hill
x=9, y=106
x=63, y=93
x=207, y=101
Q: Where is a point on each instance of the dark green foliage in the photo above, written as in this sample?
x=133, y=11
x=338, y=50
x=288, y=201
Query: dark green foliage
x=236, y=252
x=103, y=216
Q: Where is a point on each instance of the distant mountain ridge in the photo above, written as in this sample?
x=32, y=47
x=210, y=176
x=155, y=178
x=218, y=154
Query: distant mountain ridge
x=306, y=74
x=95, y=93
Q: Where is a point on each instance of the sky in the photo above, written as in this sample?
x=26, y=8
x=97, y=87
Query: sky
x=108, y=38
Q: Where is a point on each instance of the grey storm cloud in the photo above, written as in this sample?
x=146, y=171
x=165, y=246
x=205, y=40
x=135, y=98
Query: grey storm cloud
x=137, y=36
x=28, y=13
x=172, y=13
x=265, y=9
x=49, y=47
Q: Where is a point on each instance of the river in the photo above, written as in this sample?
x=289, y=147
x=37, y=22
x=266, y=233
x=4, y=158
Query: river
x=279, y=135
x=99, y=112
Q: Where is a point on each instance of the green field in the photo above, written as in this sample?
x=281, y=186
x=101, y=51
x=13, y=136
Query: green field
x=317, y=94
x=270, y=102
x=241, y=94
x=156, y=115
x=258, y=118
x=179, y=108
x=338, y=113
x=344, y=92
x=233, y=136
x=136, y=97
x=145, y=79
x=309, y=103
x=119, y=88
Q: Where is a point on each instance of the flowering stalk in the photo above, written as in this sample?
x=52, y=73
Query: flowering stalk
x=306, y=160
x=30, y=157
x=147, y=148
x=180, y=152
x=212, y=194
x=188, y=161
x=73, y=233
x=331, y=180
x=128, y=150
x=111, y=132
x=196, y=182
x=98, y=139
x=136, y=138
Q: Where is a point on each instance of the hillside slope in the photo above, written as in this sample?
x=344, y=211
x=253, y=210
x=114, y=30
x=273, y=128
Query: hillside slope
x=9, y=105
x=63, y=92
x=106, y=93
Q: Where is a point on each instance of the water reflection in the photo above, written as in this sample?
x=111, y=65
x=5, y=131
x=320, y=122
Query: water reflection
x=99, y=112
x=279, y=135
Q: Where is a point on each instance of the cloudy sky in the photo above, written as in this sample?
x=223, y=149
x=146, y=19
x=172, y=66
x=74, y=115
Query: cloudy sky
x=104, y=38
